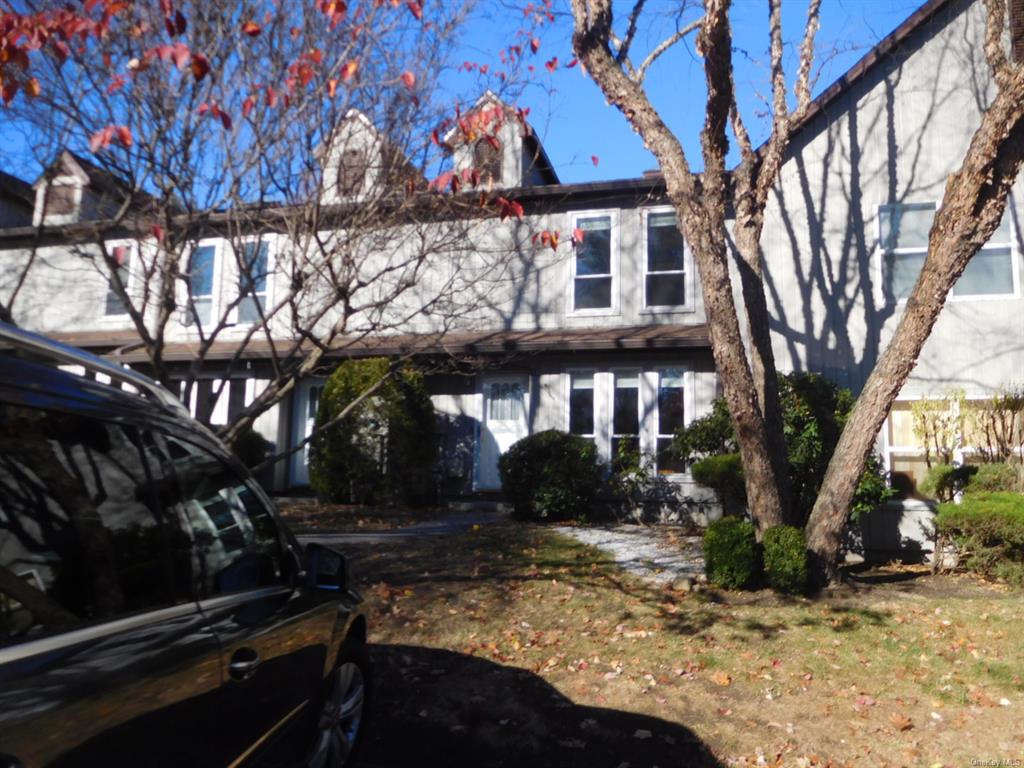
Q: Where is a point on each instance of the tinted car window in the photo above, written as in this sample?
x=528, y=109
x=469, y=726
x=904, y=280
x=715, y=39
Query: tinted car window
x=235, y=536
x=83, y=536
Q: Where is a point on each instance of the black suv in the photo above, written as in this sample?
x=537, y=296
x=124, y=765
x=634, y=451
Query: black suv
x=154, y=610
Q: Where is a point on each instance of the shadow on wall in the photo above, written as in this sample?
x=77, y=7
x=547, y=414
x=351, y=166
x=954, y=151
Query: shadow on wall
x=435, y=707
x=900, y=530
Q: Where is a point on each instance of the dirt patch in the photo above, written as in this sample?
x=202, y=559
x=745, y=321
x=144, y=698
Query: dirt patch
x=313, y=516
x=897, y=668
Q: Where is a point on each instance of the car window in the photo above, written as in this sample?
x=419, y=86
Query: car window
x=235, y=535
x=83, y=536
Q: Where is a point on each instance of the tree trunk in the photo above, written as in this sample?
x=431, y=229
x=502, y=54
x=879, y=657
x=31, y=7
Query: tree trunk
x=972, y=208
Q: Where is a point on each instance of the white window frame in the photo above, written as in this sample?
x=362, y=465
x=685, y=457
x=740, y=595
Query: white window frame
x=56, y=219
x=613, y=223
x=218, y=246
x=882, y=254
x=271, y=241
x=134, y=257
x=687, y=271
x=688, y=407
x=642, y=398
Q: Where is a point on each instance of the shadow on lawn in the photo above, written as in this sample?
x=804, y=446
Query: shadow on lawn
x=434, y=707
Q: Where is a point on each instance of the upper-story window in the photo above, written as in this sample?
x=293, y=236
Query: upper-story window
x=593, y=283
x=487, y=160
x=122, y=256
x=351, y=172
x=252, y=281
x=903, y=236
x=200, y=285
x=664, y=262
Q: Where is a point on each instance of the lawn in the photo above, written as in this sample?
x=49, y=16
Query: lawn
x=512, y=645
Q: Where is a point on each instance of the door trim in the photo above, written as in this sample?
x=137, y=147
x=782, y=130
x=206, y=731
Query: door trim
x=523, y=378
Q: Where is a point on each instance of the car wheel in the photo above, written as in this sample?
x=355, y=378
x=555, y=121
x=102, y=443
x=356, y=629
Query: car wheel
x=344, y=712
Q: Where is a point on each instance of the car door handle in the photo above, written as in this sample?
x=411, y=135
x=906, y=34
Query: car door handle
x=243, y=664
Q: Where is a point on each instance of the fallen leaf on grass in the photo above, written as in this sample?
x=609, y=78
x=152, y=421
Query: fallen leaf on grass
x=902, y=722
x=721, y=678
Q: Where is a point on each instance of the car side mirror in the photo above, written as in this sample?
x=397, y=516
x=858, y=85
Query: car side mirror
x=326, y=568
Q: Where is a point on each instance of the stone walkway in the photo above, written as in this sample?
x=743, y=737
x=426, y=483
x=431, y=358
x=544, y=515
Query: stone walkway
x=645, y=551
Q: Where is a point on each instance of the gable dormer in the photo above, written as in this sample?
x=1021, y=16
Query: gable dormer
x=73, y=189
x=498, y=143
x=362, y=163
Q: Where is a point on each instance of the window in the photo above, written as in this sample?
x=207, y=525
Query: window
x=200, y=285
x=234, y=532
x=122, y=258
x=505, y=401
x=252, y=281
x=625, y=418
x=904, y=241
x=581, y=404
x=351, y=172
x=592, y=278
x=83, y=536
x=60, y=200
x=487, y=160
x=670, y=418
x=664, y=265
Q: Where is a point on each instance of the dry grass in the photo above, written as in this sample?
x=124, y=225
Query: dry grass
x=510, y=620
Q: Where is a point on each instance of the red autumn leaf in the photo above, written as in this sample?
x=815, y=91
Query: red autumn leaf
x=180, y=25
x=595, y=160
x=577, y=236
x=534, y=44
x=409, y=79
x=271, y=97
x=200, y=66
x=181, y=55
x=572, y=63
x=349, y=70
x=507, y=208
x=332, y=87
x=552, y=65
x=158, y=233
x=416, y=9
x=32, y=88
x=251, y=28
x=101, y=139
x=247, y=106
x=116, y=84
x=123, y=135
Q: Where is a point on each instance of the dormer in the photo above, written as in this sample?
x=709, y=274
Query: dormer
x=73, y=189
x=498, y=143
x=362, y=163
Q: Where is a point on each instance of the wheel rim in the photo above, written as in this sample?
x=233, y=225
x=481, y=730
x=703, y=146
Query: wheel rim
x=341, y=718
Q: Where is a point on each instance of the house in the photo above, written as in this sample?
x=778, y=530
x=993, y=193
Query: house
x=601, y=331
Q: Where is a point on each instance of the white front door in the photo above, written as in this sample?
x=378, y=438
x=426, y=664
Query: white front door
x=503, y=423
x=306, y=402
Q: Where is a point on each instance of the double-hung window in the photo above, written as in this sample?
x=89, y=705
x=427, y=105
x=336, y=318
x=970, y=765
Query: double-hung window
x=114, y=304
x=625, y=417
x=664, y=262
x=252, y=281
x=581, y=404
x=671, y=398
x=593, y=285
x=200, y=285
x=903, y=231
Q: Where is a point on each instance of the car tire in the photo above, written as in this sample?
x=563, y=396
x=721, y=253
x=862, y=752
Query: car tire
x=343, y=716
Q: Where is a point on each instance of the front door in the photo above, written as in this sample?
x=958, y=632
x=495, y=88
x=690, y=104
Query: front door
x=306, y=402
x=503, y=423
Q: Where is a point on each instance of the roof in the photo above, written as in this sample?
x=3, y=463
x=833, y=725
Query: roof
x=637, y=337
x=13, y=187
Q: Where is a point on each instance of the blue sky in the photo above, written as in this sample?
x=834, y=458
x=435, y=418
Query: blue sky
x=569, y=113
x=574, y=122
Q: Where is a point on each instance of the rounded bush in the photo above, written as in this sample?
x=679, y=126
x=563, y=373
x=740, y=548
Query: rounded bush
x=251, y=447
x=385, y=450
x=550, y=476
x=785, y=558
x=723, y=474
x=731, y=553
x=995, y=477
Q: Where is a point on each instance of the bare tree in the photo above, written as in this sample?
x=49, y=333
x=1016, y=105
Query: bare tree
x=306, y=126
x=974, y=202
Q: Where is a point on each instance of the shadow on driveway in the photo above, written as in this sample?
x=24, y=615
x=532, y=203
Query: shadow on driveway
x=434, y=707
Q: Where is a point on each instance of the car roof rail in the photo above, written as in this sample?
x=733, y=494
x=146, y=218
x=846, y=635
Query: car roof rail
x=68, y=355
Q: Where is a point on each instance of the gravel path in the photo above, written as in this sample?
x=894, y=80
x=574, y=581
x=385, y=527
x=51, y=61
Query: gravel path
x=645, y=552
